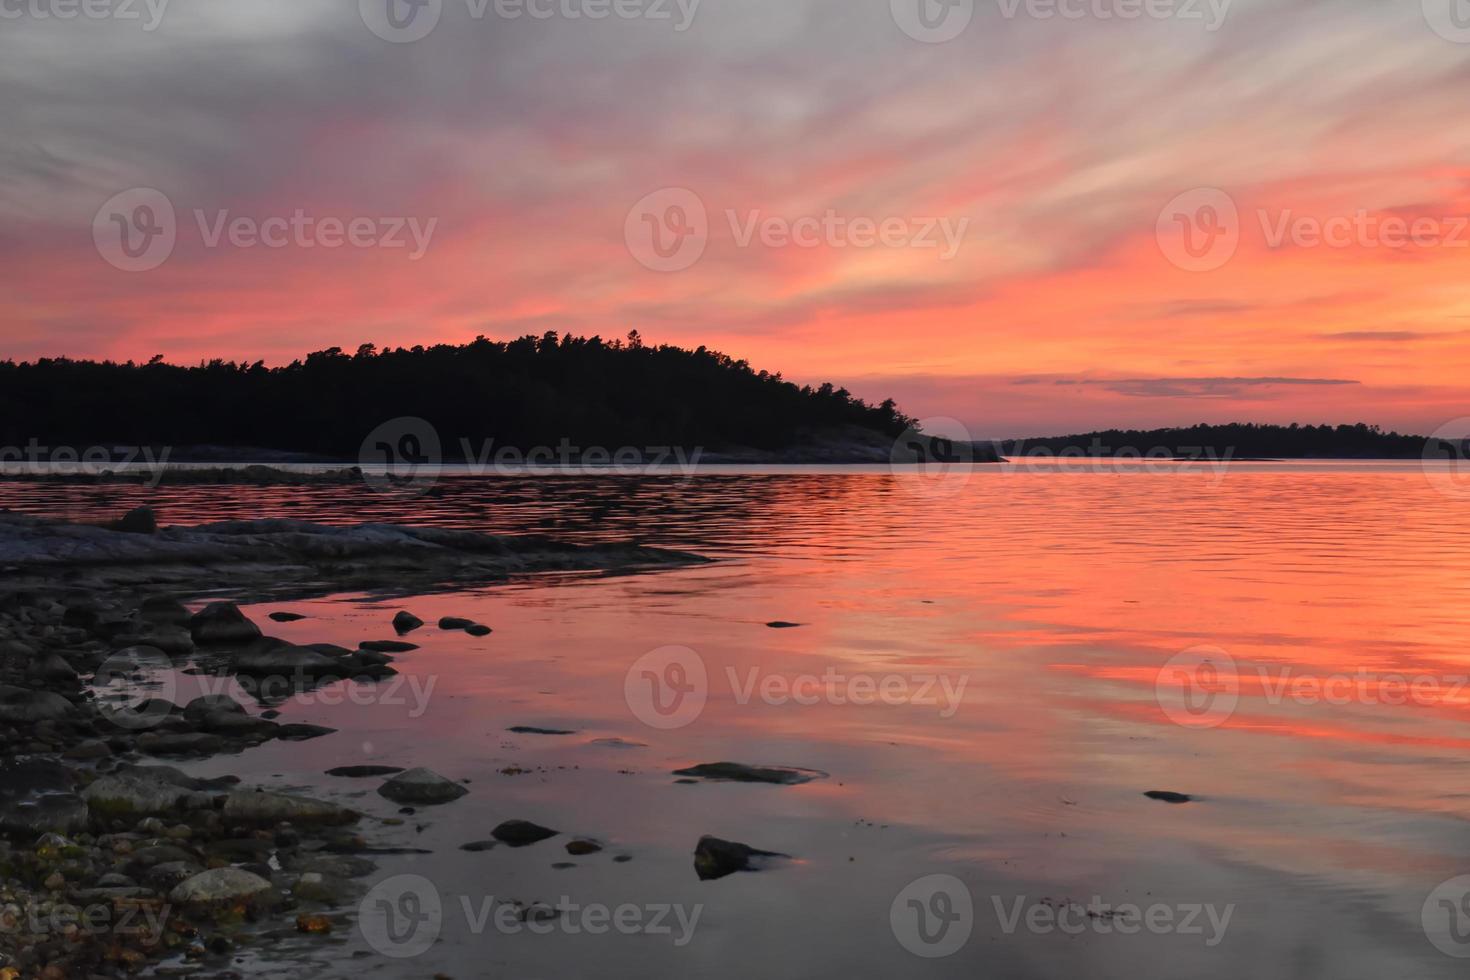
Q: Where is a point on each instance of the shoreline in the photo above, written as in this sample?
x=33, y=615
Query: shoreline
x=111, y=859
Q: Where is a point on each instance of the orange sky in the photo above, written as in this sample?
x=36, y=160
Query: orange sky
x=1049, y=150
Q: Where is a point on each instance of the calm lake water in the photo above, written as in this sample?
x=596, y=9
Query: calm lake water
x=1030, y=652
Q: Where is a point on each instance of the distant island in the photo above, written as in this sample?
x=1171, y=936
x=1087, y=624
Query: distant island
x=1237, y=441
x=545, y=391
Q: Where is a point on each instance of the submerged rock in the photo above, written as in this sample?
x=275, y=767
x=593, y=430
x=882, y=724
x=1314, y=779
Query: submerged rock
x=455, y=623
x=741, y=773
x=361, y=772
x=522, y=833
x=421, y=786
x=286, y=617
x=781, y=624
x=533, y=730
x=715, y=858
x=1167, y=796
x=581, y=846
x=387, y=646
x=478, y=629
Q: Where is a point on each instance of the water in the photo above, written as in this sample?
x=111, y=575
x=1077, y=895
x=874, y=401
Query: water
x=1039, y=607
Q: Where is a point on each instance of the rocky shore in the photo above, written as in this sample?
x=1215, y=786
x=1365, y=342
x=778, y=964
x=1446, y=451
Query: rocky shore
x=111, y=858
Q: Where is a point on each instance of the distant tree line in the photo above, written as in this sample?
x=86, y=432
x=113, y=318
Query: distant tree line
x=534, y=391
x=1239, y=440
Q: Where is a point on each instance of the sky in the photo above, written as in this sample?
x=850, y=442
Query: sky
x=1029, y=216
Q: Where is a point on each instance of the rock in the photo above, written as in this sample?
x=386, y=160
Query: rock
x=276, y=658
x=273, y=808
x=21, y=706
x=781, y=624
x=62, y=813
x=406, y=622
x=49, y=668
x=166, y=874
x=361, y=772
x=581, y=847
x=313, y=923
x=476, y=846
x=455, y=623
x=532, y=730
x=209, y=704
x=387, y=646
x=301, y=732
x=88, y=750
x=139, y=520
x=1168, y=797
x=618, y=743
x=740, y=773
x=313, y=886
x=286, y=617
x=175, y=641
x=421, y=786
x=522, y=833
x=715, y=858
x=334, y=865
x=222, y=887
x=164, y=611
x=179, y=743
x=222, y=622
x=134, y=792
x=476, y=629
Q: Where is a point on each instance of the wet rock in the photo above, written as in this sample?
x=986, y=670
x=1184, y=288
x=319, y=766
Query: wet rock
x=22, y=706
x=164, y=611
x=476, y=846
x=174, y=641
x=88, y=750
x=334, y=865
x=781, y=624
x=581, y=847
x=313, y=886
x=406, y=622
x=220, y=623
x=277, y=658
x=740, y=773
x=478, y=629
x=618, y=743
x=166, y=874
x=222, y=887
x=180, y=743
x=455, y=623
x=62, y=813
x=139, y=520
x=272, y=808
x=715, y=858
x=133, y=793
x=361, y=772
x=421, y=787
x=301, y=731
x=387, y=646
x=286, y=617
x=522, y=833
x=1167, y=796
x=49, y=668
x=532, y=730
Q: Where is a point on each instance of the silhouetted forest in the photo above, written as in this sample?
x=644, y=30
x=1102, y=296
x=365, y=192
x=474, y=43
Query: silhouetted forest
x=1239, y=440
x=534, y=391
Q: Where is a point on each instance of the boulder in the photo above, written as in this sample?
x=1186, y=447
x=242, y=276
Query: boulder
x=134, y=792
x=222, y=887
x=406, y=622
x=715, y=858
x=221, y=623
x=164, y=611
x=22, y=706
x=421, y=786
x=272, y=808
x=522, y=833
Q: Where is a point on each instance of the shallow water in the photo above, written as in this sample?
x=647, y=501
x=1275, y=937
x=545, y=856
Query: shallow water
x=1023, y=636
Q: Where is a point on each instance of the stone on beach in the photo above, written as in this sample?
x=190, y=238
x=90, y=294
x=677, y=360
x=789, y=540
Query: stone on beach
x=272, y=808
x=421, y=786
x=715, y=858
x=220, y=623
x=406, y=622
x=741, y=773
x=1168, y=796
x=222, y=887
x=522, y=833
